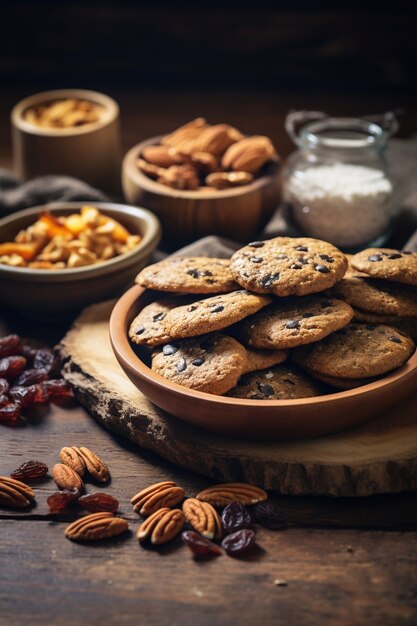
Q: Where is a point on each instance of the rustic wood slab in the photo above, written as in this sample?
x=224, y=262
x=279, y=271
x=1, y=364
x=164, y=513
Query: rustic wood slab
x=378, y=457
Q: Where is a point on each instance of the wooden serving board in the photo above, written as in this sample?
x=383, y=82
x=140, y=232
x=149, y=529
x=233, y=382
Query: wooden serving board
x=377, y=457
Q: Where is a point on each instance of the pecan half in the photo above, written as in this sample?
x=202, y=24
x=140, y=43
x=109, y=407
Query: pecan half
x=180, y=177
x=66, y=478
x=15, y=494
x=158, y=496
x=161, y=526
x=70, y=457
x=203, y=518
x=96, y=526
x=249, y=154
x=95, y=465
x=220, y=495
x=227, y=180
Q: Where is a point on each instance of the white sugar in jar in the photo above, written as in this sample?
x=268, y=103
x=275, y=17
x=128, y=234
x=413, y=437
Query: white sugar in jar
x=337, y=186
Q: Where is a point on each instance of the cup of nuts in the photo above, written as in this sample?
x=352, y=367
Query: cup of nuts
x=57, y=258
x=204, y=179
x=74, y=132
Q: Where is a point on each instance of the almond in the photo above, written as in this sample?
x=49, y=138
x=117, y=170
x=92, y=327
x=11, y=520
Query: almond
x=162, y=526
x=180, y=177
x=205, y=162
x=151, y=170
x=96, y=526
x=228, y=180
x=15, y=494
x=70, y=457
x=249, y=154
x=162, y=156
x=215, y=139
x=203, y=518
x=66, y=478
x=95, y=466
x=221, y=495
x=183, y=139
x=157, y=496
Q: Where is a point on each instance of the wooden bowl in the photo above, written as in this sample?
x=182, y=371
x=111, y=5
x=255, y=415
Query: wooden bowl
x=90, y=152
x=283, y=419
x=238, y=213
x=53, y=293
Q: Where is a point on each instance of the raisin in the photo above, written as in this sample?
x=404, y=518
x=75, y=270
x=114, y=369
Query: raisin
x=10, y=412
x=59, y=500
x=10, y=345
x=100, y=501
x=31, y=377
x=30, y=470
x=47, y=360
x=25, y=396
x=235, y=516
x=239, y=542
x=269, y=516
x=200, y=546
x=57, y=387
x=12, y=366
x=29, y=353
x=4, y=385
x=4, y=399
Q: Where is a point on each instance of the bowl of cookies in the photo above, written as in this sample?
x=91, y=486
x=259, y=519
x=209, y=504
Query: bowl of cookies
x=59, y=257
x=271, y=342
x=68, y=131
x=204, y=179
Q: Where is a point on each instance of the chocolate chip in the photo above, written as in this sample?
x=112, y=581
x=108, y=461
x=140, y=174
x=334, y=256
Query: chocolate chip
x=406, y=252
x=192, y=308
x=296, y=266
x=217, y=309
x=282, y=257
x=198, y=361
x=370, y=327
x=181, y=365
x=267, y=280
x=256, y=244
x=327, y=258
x=140, y=330
x=302, y=260
x=395, y=256
x=375, y=257
x=199, y=273
x=266, y=390
x=159, y=317
x=395, y=339
x=302, y=248
x=322, y=269
x=169, y=349
x=308, y=315
x=256, y=259
x=256, y=396
x=292, y=324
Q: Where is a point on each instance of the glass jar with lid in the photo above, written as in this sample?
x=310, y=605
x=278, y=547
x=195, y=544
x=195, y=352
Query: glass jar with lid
x=337, y=185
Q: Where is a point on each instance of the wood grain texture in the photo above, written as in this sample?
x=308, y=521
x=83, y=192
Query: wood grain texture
x=377, y=457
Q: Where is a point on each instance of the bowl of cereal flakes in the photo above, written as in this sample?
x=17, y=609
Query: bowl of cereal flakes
x=60, y=257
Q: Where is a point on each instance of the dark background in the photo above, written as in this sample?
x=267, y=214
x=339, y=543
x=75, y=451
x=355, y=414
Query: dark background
x=245, y=63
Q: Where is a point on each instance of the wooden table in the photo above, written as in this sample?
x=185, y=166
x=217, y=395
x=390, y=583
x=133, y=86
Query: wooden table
x=345, y=562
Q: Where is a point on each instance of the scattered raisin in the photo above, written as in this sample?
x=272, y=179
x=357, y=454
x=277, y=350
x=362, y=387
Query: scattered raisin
x=4, y=399
x=25, y=396
x=4, y=385
x=100, y=501
x=59, y=500
x=30, y=470
x=46, y=360
x=12, y=366
x=10, y=345
x=57, y=387
x=10, y=412
x=200, y=546
x=31, y=377
x=235, y=516
x=239, y=542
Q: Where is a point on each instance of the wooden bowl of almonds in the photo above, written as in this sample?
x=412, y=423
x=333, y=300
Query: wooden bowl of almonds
x=204, y=179
x=59, y=257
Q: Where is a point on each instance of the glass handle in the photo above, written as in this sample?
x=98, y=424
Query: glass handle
x=387, y=121
x=296, y=119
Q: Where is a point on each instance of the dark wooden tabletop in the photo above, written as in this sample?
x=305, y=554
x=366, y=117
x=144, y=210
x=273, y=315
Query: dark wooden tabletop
x=345, y=562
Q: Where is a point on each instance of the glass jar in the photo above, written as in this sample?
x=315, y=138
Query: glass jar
x=337, y=186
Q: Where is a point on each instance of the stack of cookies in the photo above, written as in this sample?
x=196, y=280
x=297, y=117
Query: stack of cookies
x=228, y=326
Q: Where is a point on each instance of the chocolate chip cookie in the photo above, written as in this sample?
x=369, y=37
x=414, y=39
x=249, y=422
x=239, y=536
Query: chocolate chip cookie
x=357, y=351
x=148, y=326
x=376, y=296
x=261, y=359
x=396, y=265
x=210, y=363
x=341, y=383
x=294, y=322
x=288, y=266
x=211, y=314
x=188, y=275
x=283, y=382
x=406, y=324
